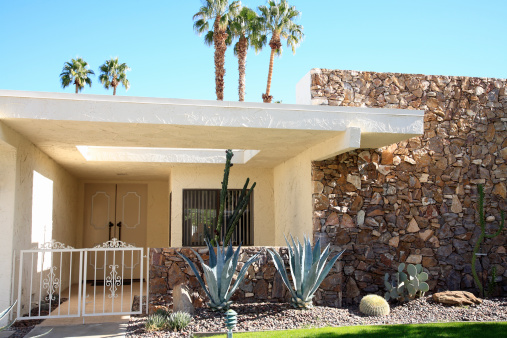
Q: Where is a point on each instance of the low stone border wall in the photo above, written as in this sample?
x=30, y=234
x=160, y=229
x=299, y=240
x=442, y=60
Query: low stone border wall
x=262, y=282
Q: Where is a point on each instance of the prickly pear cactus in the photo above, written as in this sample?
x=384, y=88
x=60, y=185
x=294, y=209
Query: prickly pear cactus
x=373, y=305
x=407, y=285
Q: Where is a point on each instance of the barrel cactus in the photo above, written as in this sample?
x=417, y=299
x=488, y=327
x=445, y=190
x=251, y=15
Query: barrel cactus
x=405, y=286
x=373, y=305
x=308, y=268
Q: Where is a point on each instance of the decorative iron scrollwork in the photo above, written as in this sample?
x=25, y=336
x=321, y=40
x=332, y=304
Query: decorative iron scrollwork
x=114, y=243
x=54, y=245
x=113, y=281
x=51, y=283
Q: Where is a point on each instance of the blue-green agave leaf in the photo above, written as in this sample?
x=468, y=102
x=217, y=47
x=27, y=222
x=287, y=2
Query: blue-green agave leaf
x=310, y=280
x=241, y=275
x=326, y=270
x=212, y=256
x=292, y=260
x=228, y=272
x=280, y=266
x=316, y=251
x=212, y=283
x=196, y=273
x=6, y=311
x=308, y=261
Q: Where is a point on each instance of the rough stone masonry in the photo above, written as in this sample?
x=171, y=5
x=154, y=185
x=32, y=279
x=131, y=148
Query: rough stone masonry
x=262, y=283
x=415, y=201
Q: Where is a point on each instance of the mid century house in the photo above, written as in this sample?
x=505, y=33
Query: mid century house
x=75, y=166
x=82, y=169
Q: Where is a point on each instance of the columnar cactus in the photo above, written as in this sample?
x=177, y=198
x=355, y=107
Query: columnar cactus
x=240, y=208
x=407, y=287
x=482, y=223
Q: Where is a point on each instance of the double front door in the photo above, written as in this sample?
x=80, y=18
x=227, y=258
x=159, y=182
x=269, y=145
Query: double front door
x=115, y=211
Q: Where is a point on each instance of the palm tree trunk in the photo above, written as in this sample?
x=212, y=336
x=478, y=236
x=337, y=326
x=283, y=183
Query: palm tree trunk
x=114, y=84
x=219, y=37
x=275, y=45
x=242, y=51
x=76, y=88
x=266, y=97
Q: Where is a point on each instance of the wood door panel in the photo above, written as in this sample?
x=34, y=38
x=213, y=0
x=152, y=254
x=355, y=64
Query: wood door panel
x=131, y=211
x=125, y=203
x=99, y=210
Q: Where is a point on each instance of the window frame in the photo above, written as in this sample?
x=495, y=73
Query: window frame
x=187, y=233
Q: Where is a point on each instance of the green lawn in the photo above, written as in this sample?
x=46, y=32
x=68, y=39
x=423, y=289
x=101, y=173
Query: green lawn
x=490, y=329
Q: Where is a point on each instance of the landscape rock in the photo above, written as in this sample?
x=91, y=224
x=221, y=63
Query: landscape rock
x=456, y=298
x=182, y=301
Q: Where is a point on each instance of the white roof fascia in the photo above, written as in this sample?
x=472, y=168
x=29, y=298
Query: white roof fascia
x=128, y=109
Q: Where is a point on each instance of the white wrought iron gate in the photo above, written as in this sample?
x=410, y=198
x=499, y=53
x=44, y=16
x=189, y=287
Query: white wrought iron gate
x=115, y=266
x=58, y=281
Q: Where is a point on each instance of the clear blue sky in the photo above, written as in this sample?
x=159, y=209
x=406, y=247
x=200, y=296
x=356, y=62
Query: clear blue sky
x=156, y=39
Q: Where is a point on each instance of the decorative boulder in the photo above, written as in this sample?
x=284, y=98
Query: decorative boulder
x=182, y=300
x=456, y=298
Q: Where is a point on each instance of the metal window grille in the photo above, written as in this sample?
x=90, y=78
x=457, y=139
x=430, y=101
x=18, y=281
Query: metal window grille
x=200, y=210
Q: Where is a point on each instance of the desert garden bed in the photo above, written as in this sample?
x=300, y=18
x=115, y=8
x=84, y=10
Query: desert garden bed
x=281, y=316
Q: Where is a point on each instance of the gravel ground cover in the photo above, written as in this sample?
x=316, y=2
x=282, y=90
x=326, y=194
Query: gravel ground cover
x=281, y=316
x=22, y=327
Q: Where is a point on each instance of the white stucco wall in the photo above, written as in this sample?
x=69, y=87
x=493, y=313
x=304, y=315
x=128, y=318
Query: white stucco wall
x=293, y=198
x=210, y=177
x=29, y=158
x=7, y=205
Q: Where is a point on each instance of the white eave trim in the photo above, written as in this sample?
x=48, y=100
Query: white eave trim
x=129, y=109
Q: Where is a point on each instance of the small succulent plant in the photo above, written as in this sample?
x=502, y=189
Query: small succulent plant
x=374, y=305
x=308, y=268
x=407, y=286
x=156, y=322
x=219, y=273
x=178, y=320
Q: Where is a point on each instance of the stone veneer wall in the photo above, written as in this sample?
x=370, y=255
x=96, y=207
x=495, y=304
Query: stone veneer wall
x=415, y=201
x=261, y=284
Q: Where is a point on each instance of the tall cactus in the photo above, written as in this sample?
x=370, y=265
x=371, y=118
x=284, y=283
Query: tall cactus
x=482, y=223
x=239, y=209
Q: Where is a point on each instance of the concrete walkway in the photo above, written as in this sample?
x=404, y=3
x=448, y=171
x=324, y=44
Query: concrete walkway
x=87, y=330
x=95, y=326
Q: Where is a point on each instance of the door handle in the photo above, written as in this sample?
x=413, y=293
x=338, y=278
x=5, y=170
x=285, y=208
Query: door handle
x=111, y=225
x=119, y=230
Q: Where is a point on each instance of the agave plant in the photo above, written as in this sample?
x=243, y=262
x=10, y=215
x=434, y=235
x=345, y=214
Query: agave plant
x=219, y=273
x=6, y=311
x=308, y=268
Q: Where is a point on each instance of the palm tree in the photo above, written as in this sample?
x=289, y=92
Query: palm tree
x=221, y=12
x=248, y=28
x=112, y=73
x=76, y=71
x=278, y=19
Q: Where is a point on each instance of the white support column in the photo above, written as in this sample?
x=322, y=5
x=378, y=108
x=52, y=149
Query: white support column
x=349, y=140
x=7, y=208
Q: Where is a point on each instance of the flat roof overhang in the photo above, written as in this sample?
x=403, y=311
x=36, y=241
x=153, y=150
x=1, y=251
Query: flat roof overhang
x=57, y=123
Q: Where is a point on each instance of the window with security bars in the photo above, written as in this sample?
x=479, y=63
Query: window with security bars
x=200, y=210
